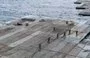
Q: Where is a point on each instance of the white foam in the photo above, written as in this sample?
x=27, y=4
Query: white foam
x=31, y=16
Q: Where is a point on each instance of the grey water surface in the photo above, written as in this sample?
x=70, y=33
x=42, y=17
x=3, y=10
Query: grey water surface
x=62, y=9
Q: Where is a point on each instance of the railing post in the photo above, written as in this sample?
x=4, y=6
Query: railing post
x=66, y=22
x=69, y=32
x=57, y=36
x=64, y=35
x=48, y=40
x=39, y=47
x=27, y=24
x=54, y=28
x=76, y=33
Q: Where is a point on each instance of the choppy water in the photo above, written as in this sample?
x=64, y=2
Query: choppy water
x=64, y=9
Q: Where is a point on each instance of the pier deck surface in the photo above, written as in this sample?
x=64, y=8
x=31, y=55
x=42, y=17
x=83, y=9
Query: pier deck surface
x=32, y=41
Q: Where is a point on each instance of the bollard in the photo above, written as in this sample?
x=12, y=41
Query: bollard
x=66, y=22
x=76, y=33
x=64, y=35
x=27, y=24
x=48, y=40
x=39, y=47
x=57, y=36
x=69, y=32
x=54, y=28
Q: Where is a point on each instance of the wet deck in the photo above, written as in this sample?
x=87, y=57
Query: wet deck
x=54, y=39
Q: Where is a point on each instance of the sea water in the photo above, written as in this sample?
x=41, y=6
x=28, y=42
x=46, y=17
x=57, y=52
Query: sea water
x=62, y=9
